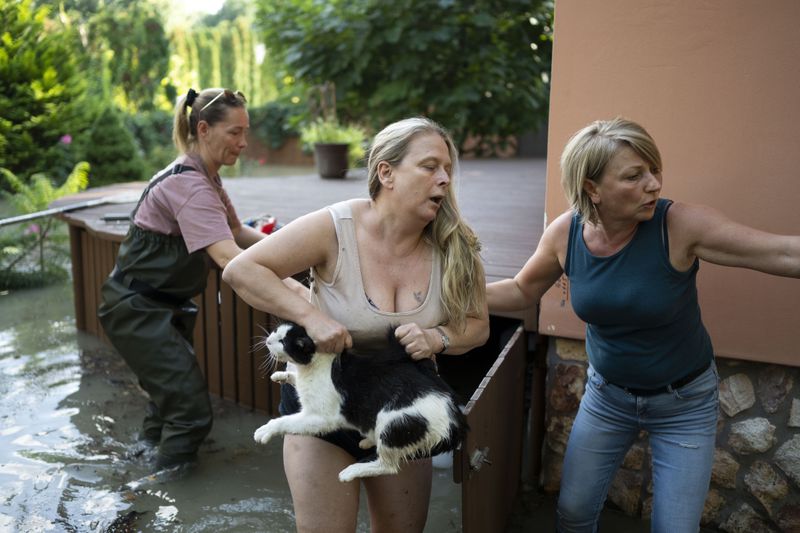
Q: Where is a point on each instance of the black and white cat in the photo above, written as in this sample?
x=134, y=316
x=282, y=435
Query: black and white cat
x=400, y=406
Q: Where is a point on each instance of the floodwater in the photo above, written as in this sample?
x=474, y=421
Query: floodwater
x=69, y=419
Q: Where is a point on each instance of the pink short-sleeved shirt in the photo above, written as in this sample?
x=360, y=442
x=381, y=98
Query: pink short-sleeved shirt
x=190, y=204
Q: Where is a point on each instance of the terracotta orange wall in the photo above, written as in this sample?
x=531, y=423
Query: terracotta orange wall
x=717, y=84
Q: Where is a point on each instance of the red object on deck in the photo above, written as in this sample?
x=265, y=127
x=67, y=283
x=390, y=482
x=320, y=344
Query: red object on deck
x=267, y=224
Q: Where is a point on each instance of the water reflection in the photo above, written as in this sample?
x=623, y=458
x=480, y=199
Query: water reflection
x=69, y=419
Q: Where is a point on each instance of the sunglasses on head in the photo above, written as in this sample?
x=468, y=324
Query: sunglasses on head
x=230, y=97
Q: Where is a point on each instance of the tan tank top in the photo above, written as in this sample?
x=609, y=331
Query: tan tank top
x=345, y=300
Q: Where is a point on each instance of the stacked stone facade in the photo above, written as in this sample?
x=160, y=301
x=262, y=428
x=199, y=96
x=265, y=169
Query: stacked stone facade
x=755, y=484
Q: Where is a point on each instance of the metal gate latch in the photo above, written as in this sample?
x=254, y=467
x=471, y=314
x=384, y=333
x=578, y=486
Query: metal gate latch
x=479, y=458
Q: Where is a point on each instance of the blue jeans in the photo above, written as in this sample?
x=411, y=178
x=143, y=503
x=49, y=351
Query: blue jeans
x=682, y=426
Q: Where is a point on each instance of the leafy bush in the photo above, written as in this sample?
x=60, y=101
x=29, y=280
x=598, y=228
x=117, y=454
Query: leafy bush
x=152, y=133
x=271, y=123
x=479, y=67
x=38, y=253
x=112, y=151
x=41, y=89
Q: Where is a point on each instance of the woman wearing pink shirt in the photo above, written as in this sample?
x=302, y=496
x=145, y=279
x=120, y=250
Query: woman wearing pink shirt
x=183, y=216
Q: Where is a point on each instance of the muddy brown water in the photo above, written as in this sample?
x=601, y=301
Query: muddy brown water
x=69, y=419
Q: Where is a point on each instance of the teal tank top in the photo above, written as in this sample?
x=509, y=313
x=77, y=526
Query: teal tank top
x=643, y=325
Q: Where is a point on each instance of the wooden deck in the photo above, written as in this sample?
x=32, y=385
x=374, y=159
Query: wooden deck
x=503, y=200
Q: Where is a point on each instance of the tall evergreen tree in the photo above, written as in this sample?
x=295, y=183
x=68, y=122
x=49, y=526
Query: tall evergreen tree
x=112, y=151
x=41, y=89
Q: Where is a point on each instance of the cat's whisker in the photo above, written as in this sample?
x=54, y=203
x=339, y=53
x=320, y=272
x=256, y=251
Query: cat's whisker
x=269, y=363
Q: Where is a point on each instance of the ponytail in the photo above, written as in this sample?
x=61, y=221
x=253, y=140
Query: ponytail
x=210, y=105
x=180, y=123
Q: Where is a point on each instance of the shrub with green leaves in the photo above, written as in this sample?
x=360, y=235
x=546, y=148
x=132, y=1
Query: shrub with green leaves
x=479, y=67
x=271, y=123
x=152, y=133
x=36, y=253
x=111, y=150
x=41, y=89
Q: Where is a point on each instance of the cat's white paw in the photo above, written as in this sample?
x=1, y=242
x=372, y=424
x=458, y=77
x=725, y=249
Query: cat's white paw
x=371, y=469
x=350, y=473
x=265, y=433
x=283, y=377
x=366, y=443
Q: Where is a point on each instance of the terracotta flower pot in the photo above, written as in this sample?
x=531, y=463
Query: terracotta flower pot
x=331, y=159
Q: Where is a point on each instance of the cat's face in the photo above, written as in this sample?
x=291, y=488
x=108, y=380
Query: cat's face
x=290, y=342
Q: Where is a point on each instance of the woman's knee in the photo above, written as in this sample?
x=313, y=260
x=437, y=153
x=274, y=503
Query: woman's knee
x=577, y=512
x=399, y=503
x=321, y=502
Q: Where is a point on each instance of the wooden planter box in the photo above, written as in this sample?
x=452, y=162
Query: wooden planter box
x=488, y=465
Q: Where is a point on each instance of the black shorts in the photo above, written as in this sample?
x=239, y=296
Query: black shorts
x=346, y=439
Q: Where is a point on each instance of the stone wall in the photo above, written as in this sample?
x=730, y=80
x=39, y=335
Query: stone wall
x=755, y=484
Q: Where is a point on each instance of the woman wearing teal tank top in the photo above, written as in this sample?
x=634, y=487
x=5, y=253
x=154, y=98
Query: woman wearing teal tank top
x=632, y=258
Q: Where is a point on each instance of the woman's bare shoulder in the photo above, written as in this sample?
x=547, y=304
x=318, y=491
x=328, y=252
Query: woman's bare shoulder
x=557, y=232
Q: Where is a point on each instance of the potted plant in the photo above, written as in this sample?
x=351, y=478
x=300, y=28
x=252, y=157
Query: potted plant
x=336, y=146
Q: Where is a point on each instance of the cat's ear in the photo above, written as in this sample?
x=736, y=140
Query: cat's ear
x=305, y=344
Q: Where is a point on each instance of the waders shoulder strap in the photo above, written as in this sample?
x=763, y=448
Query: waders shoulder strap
x=176, y=169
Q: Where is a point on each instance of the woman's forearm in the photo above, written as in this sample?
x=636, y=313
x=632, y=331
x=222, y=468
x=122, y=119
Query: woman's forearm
x=506, y=296
x=262, y=289
x=475, y=334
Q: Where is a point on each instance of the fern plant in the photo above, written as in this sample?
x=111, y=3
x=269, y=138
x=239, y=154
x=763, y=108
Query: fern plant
x=17, y=251
x=36, y=196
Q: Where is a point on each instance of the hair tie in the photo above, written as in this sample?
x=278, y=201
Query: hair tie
x=190, y=97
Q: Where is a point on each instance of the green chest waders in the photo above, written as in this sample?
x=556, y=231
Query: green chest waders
x=149, y=317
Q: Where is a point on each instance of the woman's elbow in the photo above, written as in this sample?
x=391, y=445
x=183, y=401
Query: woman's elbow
x=231, y=274
x=484, y=335
x=481, y=333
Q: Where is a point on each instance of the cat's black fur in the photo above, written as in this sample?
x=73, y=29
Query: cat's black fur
x=399, y=405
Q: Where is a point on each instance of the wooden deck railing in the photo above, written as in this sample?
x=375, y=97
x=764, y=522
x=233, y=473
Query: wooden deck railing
x=226, y=336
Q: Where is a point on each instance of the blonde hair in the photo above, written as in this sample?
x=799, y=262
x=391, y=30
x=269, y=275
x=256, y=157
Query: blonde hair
x=210, y=105
x=588, y=152
x=463, y=282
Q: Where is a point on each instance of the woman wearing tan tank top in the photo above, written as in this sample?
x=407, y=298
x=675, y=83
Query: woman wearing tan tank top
x=403, y=257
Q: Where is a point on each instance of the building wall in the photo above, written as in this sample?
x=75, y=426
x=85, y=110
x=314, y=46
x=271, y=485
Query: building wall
x=717, y=84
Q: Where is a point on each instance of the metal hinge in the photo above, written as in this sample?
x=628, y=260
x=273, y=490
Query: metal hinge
x=479, y=458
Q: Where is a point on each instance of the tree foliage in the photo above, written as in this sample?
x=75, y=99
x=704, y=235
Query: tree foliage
x=480, y=67
x=127, y=38
x=41, y=88
x=112, y=151
x=223, y=55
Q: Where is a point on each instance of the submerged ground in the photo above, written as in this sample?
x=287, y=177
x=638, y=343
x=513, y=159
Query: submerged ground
x=69, y=418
